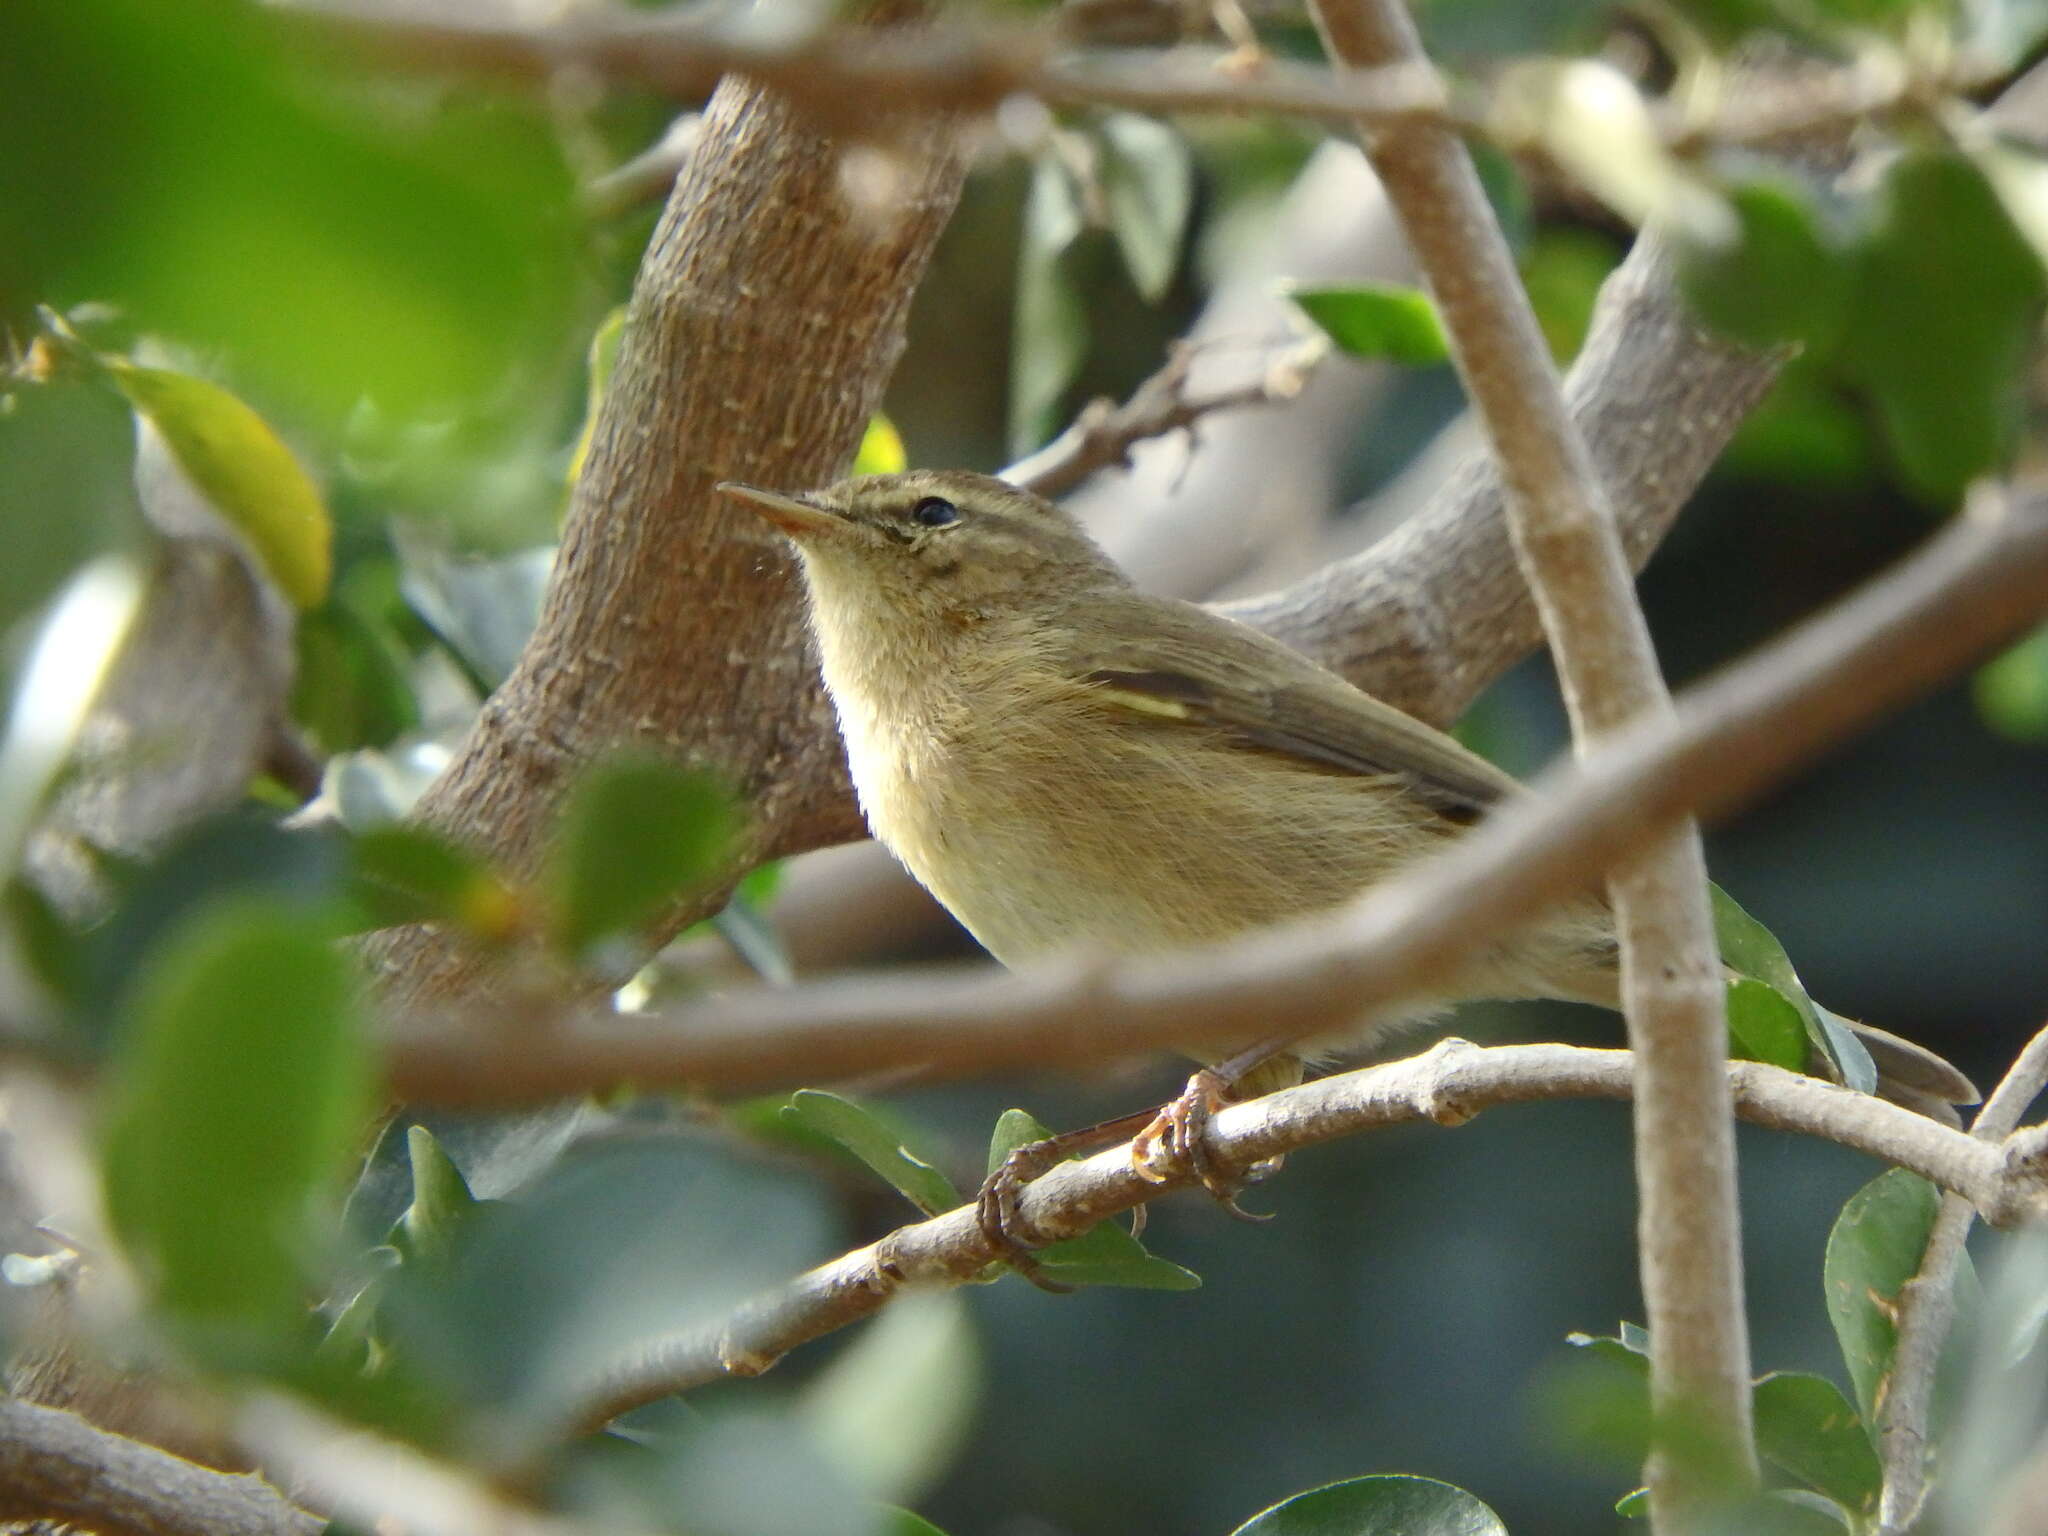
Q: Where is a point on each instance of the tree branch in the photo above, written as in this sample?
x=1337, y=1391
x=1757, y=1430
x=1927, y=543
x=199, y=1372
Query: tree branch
x=1980, y=581
x=1103, y=435
x=765, y=320
x=1438, y=609
x=1570, y=551
x=1927, y=1307
x=847, y=80
x=57, y=1466
x=1446, y=1085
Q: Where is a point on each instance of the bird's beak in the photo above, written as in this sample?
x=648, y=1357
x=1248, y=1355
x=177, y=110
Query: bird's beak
x=793, y=516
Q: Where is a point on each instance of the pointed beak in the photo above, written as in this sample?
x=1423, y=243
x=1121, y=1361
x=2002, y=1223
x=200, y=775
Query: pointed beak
x=795, y=517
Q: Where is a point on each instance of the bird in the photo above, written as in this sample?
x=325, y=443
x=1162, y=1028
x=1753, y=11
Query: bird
x=1064, y=760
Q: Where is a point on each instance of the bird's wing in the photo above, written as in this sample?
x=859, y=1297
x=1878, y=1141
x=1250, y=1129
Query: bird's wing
x=1172, y=661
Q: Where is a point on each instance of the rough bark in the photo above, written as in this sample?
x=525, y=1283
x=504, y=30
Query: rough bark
x=768, y=314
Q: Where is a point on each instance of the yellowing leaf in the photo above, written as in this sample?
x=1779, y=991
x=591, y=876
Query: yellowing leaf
x=604, y=356
x=881, y=450
x=244, y=470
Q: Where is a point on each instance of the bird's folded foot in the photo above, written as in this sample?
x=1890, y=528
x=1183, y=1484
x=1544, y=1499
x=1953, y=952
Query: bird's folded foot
x=996, y=1210
x=1176, y=1144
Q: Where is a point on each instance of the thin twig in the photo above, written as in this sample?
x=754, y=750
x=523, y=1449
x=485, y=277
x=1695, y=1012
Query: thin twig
x=1447, y=1085
x=1927, y=1307
x=57, y=1466
x=647, y=176
x=1104, y=433
x=1978, y=582
x=1570, y=550
x=851, y=79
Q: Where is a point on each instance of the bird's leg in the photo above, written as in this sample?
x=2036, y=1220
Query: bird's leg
x=1176, y=1139
x=995, y=1207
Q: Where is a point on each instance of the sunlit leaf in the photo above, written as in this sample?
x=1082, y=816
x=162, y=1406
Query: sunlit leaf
x=245, y=472
x=857, y=1130
x=604, y=356
x=243, y=1086
x=1378, y=1506
x=881, y=449
x=1148, y=181
x=1380, y=321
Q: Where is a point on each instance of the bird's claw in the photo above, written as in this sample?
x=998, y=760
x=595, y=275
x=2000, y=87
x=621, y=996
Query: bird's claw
x=1176, y=1145
x=996, y=1210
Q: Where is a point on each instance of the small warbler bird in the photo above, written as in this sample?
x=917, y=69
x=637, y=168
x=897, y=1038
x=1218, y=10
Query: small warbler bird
x=1063, y=760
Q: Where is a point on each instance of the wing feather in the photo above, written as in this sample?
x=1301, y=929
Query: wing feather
x=1174, y=662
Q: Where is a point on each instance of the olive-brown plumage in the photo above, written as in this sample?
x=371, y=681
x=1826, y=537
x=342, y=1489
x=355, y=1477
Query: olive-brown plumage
x=1063, y=760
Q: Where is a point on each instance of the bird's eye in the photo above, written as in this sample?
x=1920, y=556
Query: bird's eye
x=934, y=512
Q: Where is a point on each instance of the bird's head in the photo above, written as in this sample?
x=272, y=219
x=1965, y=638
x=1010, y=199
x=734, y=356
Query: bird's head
x=942, y=545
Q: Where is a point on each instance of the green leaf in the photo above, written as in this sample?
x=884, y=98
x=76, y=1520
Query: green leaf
x=637, y=832
x=1949, y=298
x=1563, y=270
x=267, y=203
x=1148, y=181
x=1106, y=1254
x=1779, y=1512
x=1629, y=1346
x=2012, y=690
x=881, y=449
x=1775, y=278
x=875, y=1145
x=1378, y=1506
x=1875, y=1248
x=901, y=1522
x=406, y=873
x=892, y=1408
x=53, y=952
x=1804, y=1426
x=1598, y=1400
x=1050, y=331
x=1014, y=1128
x=1750, y=949
x=244, y=1082
x=245, y=472
x=351, y=688
x=1765, y=1025
x=1634, y=1506
x=441, y=1201
x=1378, y=320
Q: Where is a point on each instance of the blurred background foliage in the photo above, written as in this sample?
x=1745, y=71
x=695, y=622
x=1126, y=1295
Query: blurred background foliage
x=381, y=304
